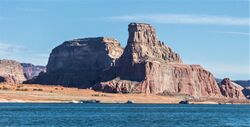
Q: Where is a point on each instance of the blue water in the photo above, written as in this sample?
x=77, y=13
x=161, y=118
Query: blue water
x=123, y=115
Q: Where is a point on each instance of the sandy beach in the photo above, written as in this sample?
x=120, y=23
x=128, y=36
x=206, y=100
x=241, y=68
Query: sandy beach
x=26, y=93
x=59, y=94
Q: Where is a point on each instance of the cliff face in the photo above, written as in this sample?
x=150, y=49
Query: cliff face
x=80, y=62
x=231, y=89
x=143, y=46
x=31, y=70
x=11, y=72
x=149, y=66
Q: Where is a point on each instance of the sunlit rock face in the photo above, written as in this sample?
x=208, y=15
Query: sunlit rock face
x=147, y=65
x=11, y=72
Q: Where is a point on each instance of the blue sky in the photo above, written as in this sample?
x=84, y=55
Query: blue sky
x=213, y=33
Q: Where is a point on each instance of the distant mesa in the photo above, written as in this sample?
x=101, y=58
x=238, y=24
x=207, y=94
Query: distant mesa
x=30, y=70
x=14, y=72
x=243, y=83
x=246, y=92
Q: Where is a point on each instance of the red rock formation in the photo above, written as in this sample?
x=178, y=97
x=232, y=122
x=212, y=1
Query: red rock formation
x=11, y=72
x=145, y=66
x=231, y=89
x=149, y=66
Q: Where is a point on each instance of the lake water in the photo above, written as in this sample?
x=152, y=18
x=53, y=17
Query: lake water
x=123, y=115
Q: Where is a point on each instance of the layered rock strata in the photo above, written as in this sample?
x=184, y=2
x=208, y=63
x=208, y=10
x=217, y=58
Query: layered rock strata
x=149, y=66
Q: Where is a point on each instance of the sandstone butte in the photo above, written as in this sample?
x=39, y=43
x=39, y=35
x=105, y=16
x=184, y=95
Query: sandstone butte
x=146, y=65
x=149, y=66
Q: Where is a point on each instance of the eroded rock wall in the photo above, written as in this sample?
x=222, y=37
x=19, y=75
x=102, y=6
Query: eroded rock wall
x=147, y=65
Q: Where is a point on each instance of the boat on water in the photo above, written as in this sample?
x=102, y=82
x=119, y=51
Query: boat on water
x=130, y=102
x=184, y=102
x=85, y=101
